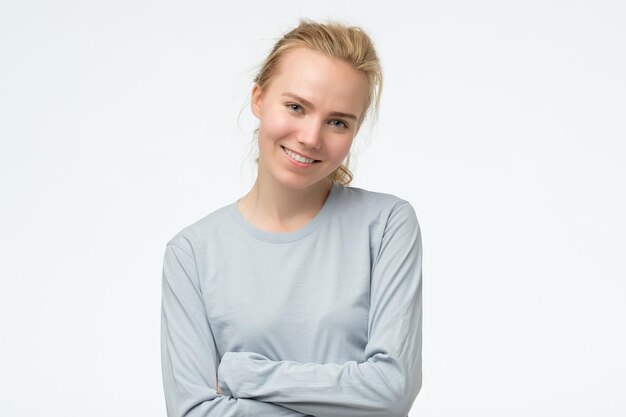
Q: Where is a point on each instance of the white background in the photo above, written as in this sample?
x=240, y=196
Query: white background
x=502, y=122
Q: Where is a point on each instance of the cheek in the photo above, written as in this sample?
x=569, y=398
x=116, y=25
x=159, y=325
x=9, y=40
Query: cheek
x=276, y=123
x=342, y=146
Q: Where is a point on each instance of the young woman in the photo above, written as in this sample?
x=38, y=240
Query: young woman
x=303, y=297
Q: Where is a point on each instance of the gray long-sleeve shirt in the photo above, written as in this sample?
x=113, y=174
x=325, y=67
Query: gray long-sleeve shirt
x=324, y=321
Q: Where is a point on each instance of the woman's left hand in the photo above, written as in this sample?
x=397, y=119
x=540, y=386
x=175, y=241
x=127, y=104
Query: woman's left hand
x=217, y=384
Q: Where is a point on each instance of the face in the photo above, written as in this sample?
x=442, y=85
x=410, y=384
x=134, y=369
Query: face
x=311, y=107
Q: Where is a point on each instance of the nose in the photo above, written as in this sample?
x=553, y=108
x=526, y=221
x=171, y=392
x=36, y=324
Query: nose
x=310, y=134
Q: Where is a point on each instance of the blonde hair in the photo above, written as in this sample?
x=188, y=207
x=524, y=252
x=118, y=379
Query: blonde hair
x=336, y=40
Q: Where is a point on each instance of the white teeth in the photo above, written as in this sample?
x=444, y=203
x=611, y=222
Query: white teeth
x=297, y=157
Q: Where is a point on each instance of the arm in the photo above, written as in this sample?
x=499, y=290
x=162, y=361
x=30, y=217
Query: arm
x=387, y=383
x=189, y=357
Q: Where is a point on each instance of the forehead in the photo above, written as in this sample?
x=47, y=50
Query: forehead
x=320, y=79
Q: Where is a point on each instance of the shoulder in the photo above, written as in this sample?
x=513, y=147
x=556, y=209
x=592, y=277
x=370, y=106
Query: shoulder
x=375, y=204
x=375, y=214
x=196, y=233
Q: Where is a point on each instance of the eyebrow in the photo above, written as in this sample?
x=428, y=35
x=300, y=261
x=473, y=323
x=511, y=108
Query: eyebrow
x=309, y=104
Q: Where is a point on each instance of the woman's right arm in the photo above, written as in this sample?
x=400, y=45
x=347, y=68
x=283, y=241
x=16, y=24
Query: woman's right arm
x=189, y=357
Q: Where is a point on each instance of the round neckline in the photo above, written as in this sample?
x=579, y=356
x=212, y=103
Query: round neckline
x=278, y=237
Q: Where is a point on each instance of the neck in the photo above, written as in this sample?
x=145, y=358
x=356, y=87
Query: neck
x=274, y=207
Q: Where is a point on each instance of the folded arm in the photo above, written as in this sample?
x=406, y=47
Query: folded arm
x=189, y=356
x=387, y=383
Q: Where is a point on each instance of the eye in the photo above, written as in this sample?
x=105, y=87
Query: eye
x=291, y=106
x=345, y=126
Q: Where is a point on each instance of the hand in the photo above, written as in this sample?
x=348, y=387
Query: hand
x=217, y=384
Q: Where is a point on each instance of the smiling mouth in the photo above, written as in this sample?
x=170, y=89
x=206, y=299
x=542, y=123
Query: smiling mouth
x=314, y=160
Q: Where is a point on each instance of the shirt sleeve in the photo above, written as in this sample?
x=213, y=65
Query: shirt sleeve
x=387, y=383
x=189, y=357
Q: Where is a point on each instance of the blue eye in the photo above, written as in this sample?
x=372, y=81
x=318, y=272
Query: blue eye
x=296, y=108
x=291, y=106
x=345, y=126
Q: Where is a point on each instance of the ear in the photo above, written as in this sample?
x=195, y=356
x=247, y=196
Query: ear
x=255, y=103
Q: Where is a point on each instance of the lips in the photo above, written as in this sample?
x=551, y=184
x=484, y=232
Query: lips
x=306, y=156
